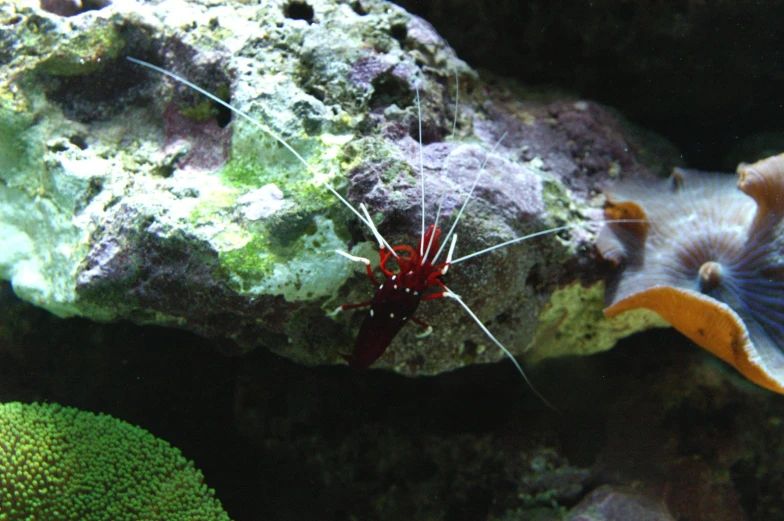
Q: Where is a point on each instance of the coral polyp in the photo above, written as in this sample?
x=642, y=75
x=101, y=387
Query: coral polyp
x=709, y=259
x=63, y=464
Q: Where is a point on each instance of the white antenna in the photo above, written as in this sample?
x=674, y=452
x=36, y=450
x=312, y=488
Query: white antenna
x=468, y=198
x=444, y=168
x=261, y=126
x=543, y=232
x=509, y=355
x=421, y=169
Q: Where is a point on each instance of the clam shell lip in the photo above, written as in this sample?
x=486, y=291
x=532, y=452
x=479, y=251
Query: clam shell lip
x=710, y=261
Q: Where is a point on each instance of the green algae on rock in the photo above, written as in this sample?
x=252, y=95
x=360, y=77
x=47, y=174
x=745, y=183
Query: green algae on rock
x=573, y=323
x=62, y=464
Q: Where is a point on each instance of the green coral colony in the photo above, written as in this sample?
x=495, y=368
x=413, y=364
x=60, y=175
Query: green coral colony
x=62, y=464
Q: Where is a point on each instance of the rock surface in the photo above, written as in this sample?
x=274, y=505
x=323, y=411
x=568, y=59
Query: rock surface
x=607, y=503
x=127, y=196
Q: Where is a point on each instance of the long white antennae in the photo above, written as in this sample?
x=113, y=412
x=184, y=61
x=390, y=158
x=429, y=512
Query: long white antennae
x=449, y=255
x=453, y=296
x=539, y=234
x=445, y=166
x=435, y=227
x=468, y=198
x=253, y=121
x=421, y=168
x=380, y=238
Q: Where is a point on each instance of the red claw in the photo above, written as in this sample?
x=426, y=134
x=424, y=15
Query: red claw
x=397, y=298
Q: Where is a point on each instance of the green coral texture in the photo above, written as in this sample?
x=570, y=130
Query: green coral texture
x=59, y=463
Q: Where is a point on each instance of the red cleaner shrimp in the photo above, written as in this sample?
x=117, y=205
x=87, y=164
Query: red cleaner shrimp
x=397, y=297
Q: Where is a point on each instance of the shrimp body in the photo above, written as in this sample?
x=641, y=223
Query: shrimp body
x=397, y=297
